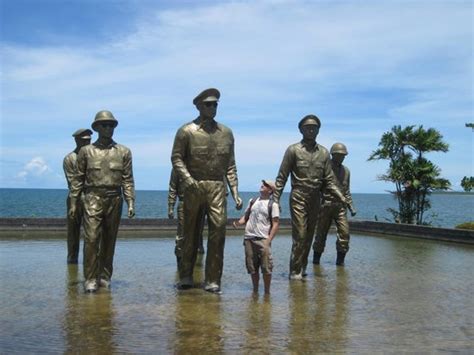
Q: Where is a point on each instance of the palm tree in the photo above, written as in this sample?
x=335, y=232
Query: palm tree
x=414, y=177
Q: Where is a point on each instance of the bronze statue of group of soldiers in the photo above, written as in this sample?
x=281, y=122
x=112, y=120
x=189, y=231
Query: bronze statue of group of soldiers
x=100, y=176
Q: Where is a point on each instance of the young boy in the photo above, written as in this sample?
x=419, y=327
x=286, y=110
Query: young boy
x=261, y=219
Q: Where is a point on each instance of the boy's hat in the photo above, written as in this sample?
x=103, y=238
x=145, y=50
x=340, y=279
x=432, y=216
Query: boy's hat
x=270, y=184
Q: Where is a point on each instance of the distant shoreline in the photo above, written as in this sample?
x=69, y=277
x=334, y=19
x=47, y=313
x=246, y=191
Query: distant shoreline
x=354, y=193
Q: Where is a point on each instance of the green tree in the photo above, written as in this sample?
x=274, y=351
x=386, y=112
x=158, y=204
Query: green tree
x=467, y=183
x=414, y=176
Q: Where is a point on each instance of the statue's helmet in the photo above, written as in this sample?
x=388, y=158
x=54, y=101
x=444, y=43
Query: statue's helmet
x=339, y=148
x=104, y=116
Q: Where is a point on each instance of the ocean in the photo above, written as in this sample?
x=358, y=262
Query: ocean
x=448, y=210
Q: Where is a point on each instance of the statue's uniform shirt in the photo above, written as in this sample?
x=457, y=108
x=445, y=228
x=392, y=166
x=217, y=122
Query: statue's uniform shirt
x=105, y=167
x=205, y=154
x=333, y=210
x=343, y=177
x=104, y=172
x=73, y=223
x=310, y=170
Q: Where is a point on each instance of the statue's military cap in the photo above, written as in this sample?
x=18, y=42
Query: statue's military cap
x=82, y=133
x=309, y=120
x=207, y=95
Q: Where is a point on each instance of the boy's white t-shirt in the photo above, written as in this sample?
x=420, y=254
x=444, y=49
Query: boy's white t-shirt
x=258, y=225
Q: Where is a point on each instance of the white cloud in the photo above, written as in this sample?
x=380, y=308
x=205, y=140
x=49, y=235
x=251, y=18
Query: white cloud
x=35, y=167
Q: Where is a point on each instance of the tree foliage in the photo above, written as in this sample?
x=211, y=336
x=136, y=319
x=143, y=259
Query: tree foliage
x=414, y=176
x=467, y=183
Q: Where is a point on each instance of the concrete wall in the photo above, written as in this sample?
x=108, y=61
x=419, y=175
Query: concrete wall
x=156, y=224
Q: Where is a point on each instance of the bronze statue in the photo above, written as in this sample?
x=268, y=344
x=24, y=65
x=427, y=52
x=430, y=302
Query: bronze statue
x=334, y=210
x=82, y=137
x=203, y=157
x=104, y=172
x=310, y=169
x=175, y=192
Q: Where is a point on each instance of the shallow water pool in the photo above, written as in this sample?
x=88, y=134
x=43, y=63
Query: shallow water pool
x=393, y=294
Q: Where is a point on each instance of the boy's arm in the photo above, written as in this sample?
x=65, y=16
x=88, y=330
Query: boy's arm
x=243, y=220
x=239, y=222
x=274, y=230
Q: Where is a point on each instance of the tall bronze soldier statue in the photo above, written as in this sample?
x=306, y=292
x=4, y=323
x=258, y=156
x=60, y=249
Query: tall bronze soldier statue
x=175, y=192
x=310, y=169
x=104, y=172
x=203, y=157
x=334, y=210
x=82, y=137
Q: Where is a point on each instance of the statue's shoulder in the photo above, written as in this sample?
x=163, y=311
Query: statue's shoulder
x=294, y=146
x=224, y=128
x=188, y=127
x=70, y=156
x=86, y=149
x=122, y=148
x=323, y=149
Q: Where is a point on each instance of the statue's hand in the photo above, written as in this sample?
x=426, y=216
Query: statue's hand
x=170, y=213
x=131, y=211
x=191, y=183
x=353, y=211
x=72, y=211
x=238, y=203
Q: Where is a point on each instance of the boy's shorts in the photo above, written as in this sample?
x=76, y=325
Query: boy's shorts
x=257, y=255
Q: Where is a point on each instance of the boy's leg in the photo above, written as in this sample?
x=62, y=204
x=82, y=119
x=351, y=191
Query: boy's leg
x=251, y=263
x=266, y=265
x=267, y=280
x=255, y=281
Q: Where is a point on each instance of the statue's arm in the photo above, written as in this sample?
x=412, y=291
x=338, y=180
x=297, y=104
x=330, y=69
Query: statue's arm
x=283, y=173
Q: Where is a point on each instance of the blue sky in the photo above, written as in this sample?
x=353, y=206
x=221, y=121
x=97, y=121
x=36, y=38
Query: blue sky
x=362, y=67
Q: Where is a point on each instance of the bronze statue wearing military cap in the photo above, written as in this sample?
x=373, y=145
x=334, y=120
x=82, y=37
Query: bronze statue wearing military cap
x=82, y=137
x=309, y=165
x=104, y=174
x=333, y=210
x=309, y=120
x=203, y=157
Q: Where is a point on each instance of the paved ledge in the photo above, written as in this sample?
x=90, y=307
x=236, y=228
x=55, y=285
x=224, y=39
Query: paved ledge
x=36, y=225
x=413, y=231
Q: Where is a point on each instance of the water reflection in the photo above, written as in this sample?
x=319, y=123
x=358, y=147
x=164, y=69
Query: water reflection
x=198, y=323
x=258, y=325
x=319, y=311
x=88, y=320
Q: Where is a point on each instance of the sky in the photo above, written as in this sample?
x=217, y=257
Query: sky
x=360, y=66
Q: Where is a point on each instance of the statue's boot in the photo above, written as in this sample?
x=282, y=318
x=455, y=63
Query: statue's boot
x=340, y=258
x=316, y=258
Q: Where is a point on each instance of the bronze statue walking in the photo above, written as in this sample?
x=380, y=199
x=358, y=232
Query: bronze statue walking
x=82, y=137
x=309, y=165
x=104, y=173
x=203, y=157
x=333, y=210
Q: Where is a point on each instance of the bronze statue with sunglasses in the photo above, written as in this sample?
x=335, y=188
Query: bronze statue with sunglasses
x=203, y=157
x=104, y=174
